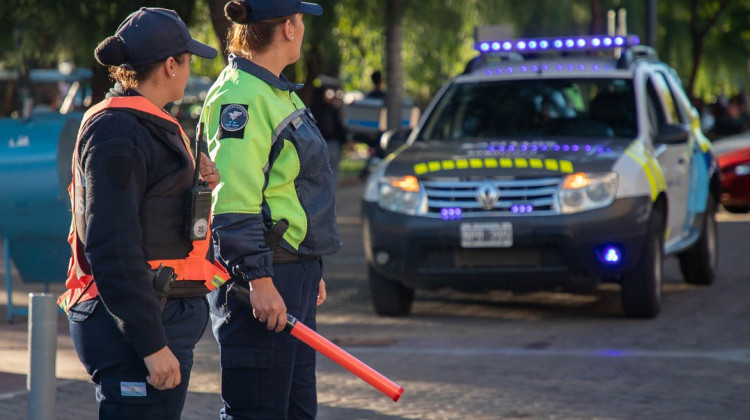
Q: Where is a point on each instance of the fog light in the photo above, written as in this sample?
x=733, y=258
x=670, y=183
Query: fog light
x=610, y=255
x=382, y=257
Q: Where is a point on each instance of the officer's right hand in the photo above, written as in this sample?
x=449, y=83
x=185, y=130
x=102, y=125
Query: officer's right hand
x=268, y=306
x=163, y=369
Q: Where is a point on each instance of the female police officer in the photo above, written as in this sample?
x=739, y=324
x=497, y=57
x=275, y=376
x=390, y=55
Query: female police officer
x=132, y=166
x=274, y=213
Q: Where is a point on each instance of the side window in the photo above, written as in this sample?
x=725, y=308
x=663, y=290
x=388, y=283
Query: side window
x=684, y=105
x=674, y=114
x=656, y=113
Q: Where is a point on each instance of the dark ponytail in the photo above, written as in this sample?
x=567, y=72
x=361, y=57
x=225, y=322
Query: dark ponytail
x=111, y=52
x=237, y=11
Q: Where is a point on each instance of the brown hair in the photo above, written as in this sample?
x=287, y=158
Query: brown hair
x=246, y=38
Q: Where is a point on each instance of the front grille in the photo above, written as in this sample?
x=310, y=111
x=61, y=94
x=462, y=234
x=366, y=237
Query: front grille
x=516, y=197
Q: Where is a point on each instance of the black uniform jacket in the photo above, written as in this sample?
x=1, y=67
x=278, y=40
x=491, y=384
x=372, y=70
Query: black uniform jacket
x=135, y=171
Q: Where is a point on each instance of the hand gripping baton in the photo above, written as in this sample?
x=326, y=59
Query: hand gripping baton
x=328, y=349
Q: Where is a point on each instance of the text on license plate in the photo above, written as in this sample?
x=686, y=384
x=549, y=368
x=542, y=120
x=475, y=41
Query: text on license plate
x=486, y=235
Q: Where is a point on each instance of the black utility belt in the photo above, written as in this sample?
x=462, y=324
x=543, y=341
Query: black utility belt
x=187, y=289
x=282, y=256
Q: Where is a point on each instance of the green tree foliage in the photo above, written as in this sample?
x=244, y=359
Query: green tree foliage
x=348, y=41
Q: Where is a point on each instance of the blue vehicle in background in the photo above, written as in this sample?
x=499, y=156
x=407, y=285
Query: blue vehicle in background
x=40, y=113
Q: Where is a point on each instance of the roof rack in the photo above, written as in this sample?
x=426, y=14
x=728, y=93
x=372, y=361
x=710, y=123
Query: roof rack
x=483, y=60
x=636, y=53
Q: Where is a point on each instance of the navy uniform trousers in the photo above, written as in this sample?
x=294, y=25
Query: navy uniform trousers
x=117, y=370
x=264, y=374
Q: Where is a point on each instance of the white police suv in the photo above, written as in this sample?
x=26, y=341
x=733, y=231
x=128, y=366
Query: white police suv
x=555, y=163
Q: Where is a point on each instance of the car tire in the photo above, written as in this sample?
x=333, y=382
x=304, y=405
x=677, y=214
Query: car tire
x=641, y=290
x=698, y=263
x=389, y=297
x=736, y=209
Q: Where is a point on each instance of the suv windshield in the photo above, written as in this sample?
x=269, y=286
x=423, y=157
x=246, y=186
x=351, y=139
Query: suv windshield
x=532, y=108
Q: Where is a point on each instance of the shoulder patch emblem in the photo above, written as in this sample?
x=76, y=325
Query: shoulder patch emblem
x=234, y=117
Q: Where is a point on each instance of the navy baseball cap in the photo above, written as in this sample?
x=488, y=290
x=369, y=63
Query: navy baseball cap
x=259, y=10
x=151, y=34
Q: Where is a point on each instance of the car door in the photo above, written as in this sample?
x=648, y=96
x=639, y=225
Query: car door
x=674, y=158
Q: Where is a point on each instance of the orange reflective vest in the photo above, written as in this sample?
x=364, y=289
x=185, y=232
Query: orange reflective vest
x=195, y=266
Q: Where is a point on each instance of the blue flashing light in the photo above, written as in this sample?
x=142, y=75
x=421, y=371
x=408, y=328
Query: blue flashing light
x=611, y=255
x=521, y=208
x=559, y=43
x=450, y=213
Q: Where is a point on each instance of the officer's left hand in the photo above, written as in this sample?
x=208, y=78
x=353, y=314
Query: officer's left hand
x=209, y=171
x=321, y=292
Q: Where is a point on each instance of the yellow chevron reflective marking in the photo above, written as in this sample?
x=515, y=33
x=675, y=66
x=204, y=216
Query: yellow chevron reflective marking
x=552, y=165
x=646, y=169
x=661, y=183
x=566, y=166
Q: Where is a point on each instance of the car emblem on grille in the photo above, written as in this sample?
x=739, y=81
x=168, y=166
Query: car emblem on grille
x=487, y=195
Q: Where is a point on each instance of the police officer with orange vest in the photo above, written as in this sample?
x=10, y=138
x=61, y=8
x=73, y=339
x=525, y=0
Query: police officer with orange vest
x=140, y=270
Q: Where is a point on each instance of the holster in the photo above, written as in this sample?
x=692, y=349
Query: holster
x=162, y=280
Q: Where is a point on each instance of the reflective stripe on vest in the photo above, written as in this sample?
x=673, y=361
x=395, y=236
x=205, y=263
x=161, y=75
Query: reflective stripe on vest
x=193, y=267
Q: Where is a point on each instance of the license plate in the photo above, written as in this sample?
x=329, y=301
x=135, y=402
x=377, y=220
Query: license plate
x=486, y=235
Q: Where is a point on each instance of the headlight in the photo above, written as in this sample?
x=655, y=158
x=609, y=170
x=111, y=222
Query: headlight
x=587, y=191
x=741, y=170
x=396, y=194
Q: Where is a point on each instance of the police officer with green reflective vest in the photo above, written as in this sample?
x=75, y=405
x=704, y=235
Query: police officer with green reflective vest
x=274, y=213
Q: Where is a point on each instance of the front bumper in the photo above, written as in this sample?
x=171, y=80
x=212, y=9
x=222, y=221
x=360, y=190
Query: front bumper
x=547, y=251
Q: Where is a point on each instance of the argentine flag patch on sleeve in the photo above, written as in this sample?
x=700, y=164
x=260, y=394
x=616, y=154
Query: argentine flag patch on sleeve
x=234, y=118
x=133, y=389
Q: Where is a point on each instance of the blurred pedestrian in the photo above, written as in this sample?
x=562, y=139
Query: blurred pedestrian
x=133, y=325
x=274, y=213
x=377, y=86
x=327, y=112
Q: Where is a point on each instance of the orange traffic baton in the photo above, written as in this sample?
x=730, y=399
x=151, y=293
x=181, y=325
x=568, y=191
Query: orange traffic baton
x=328, y=349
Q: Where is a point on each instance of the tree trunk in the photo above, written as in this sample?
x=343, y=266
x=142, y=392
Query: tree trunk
x=394, y=67
x=597, y=18
x=220, y=23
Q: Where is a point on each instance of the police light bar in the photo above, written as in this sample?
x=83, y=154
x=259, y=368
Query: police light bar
x=571, y=43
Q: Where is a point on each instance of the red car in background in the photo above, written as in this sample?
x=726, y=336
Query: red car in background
x=733, y=155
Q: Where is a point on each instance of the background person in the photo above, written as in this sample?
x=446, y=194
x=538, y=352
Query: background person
x=377, y=86
x=326, y=109
x=131, y=168
x=274, y=213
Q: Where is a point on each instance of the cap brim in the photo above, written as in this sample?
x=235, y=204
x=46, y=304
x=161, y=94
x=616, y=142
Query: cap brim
x=311, y=9
x=201, y=50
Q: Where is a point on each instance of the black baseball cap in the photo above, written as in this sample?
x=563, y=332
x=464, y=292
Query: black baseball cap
x=151, y=34
x=259, y=10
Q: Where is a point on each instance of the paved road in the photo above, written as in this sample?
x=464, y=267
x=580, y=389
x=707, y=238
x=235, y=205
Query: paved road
x=496, y=355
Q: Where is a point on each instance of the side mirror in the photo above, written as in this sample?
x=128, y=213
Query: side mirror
x=393, y=139
x=673, y=134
